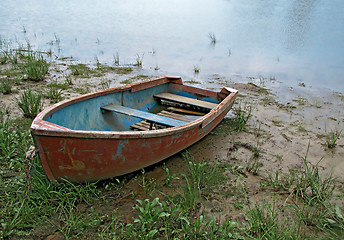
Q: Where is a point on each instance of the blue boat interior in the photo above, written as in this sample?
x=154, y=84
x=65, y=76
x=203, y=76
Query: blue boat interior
x=125, y=110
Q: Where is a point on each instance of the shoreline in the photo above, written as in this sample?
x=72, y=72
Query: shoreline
x=255, y=167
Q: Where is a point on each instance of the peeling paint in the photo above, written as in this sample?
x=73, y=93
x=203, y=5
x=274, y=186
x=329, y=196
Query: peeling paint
x=81, y=155
x=76, y=164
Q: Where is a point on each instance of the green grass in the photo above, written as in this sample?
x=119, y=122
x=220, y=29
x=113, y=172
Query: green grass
x=6, y=86
x=81, y=70
x=242, y=116
x=123, y=70
x=312, y=188
x=35, y=66
x=169, y=177
x=192, y=82
x=127, y=81
x=332, y=138
x=105, y=83
x=138, y=60
x=55, y=91
x=30, y=103
x=33, y=207
x=264, y=222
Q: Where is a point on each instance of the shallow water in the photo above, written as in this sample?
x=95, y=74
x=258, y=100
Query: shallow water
x=292, y=42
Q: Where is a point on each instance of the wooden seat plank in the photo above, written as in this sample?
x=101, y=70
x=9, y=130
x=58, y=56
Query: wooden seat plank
x=174, y=116
x=180, y=110
x=185, y=100
x=144, y=115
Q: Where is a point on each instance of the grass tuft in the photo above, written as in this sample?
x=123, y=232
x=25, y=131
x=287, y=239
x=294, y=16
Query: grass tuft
x=242, y=116
x=30, y=103
x=35, y=66
x=264, y=223
x=6, y=86
x=311, y=187
x=332, y=138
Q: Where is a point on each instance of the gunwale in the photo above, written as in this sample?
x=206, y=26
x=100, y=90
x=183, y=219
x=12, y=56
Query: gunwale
x=41, y=127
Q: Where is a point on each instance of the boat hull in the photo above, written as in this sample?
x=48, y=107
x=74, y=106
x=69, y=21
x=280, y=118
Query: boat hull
x=86, y=156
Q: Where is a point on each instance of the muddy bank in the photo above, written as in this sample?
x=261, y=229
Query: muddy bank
x=251, y=167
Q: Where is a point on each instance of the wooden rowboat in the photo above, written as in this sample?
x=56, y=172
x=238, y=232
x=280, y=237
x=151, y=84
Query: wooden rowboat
x=120, y=130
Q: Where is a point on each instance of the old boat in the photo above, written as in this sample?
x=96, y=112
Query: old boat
x=119, y=130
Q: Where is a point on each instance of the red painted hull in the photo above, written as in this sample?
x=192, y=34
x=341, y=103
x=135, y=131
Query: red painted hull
x=86, y=156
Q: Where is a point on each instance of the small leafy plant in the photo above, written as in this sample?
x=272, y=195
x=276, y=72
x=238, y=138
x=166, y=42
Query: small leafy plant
x=169, y=177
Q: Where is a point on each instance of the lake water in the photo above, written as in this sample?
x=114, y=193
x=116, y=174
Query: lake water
x=293, y=42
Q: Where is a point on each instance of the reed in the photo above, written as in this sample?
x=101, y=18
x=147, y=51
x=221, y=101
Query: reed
x=212, y=38
x=138, y=60
x=116, y=58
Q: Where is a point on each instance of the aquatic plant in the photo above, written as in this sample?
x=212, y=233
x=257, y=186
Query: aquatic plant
x=116, y=58
x=138, y=60
x=212, y=38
